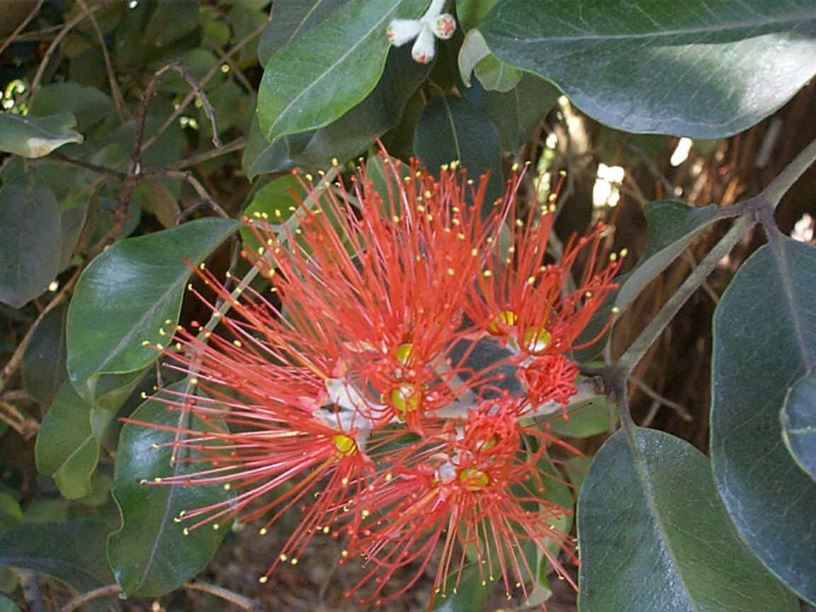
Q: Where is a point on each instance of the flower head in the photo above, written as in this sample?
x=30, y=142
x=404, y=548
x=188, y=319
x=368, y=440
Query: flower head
x=387, y=381
x=432, y=25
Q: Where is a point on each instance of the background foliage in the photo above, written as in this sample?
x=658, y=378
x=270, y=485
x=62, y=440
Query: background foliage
x=135, y=134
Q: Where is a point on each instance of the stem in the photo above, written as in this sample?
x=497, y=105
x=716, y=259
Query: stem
x=652, y=331
x=778, y=187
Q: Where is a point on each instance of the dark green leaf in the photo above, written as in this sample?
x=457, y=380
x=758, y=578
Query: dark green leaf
x=291, y=19
x=274, y=202
x=72, y=220
x=10, y=512
x=73, y=551
x=261, y=157
x=764, y=342
x=671, y=226
x=654, y=535
x=799, y=423
x=470, y=594
x=43, y=367
x=29, y=239
x=170, y=21
x=453, y=129
x=36, y=136
x=87, y=104
x=515, y=113
x=66, y=448
x=126, y=296
x=321, y=75
x=704, y=69
x=150, y=555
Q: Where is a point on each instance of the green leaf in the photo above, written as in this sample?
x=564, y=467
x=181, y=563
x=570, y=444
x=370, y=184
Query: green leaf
x=470, y=594
x=10, y=512
x=275, y=202
x=73, y=552
x=584, y=421
x=30, y=240
x=150, y=555
x=453, y=129
x=799, y=423
x=703, y=69
x=321, y=75
x=43, y=367
x=671, y=227
x=89, y=105
x=291, y=19
x=654, y=535
x=36, y=136
x=125, y=296
x=517, y=112
x=66, y=447
x=7, y=605
x=493, y=74
x=764, y=342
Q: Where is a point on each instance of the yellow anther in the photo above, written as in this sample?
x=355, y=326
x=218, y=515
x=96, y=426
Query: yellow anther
x=473, y=479
x=263, y=531
x=263, y=579
x=406, y=397
x=344, y=445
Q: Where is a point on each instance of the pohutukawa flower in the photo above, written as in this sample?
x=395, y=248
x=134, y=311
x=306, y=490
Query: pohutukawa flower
x=432, y=25
x=388, y=381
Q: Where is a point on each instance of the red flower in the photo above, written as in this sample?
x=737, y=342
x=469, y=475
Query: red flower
x=480, y=497
x=385, y=384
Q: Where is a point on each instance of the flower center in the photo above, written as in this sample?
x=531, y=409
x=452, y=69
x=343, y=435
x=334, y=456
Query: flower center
x=535, y=340
x=406, y=397
x=473, y=479
x=344, y=445
x=486, y=445
x=404, y=352
x=503, y=319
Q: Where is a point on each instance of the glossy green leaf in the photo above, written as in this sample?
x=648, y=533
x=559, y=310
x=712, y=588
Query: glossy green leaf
x=66, y=448
x=43, y=367
x=30, y=239
x=799, y=423
x=150, y=555
x=291, y=19
x=321, y=75
x=517, y=112
x=7, y=605
x=671, y=227
x=73, y=551
x=764, y=342
x=36, y=136
x=705, y=68
x=654, y=535
x=453, y=129
x=125, y=296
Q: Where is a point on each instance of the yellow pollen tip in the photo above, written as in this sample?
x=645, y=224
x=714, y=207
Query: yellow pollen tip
x=344, y=554
x=624, y=252
x=294, y=561
x=185, y=531
x=263, y=531
x=615, y=310
x=263, y=579
x=227, y=487
x=283, y=558
x=344, y=445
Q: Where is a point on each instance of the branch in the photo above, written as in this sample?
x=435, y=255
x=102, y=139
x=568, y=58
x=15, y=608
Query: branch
x=236, y=145
x=13, y=36
x=69, y=25
x=652, y=331
x=116, y=93
x=245, y=603
x=205, y=79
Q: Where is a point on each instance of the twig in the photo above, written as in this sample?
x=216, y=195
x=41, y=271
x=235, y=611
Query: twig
x=13, y=36
x=245, y=603
x=116, y=93
x=681, y=410
x=67, y=27
x=31, y=591
x=236, y=145
x=704, y=285
x=82, y=599
x=189, y=177
x=658, y=323
x=87, y=165
x=205, y=79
